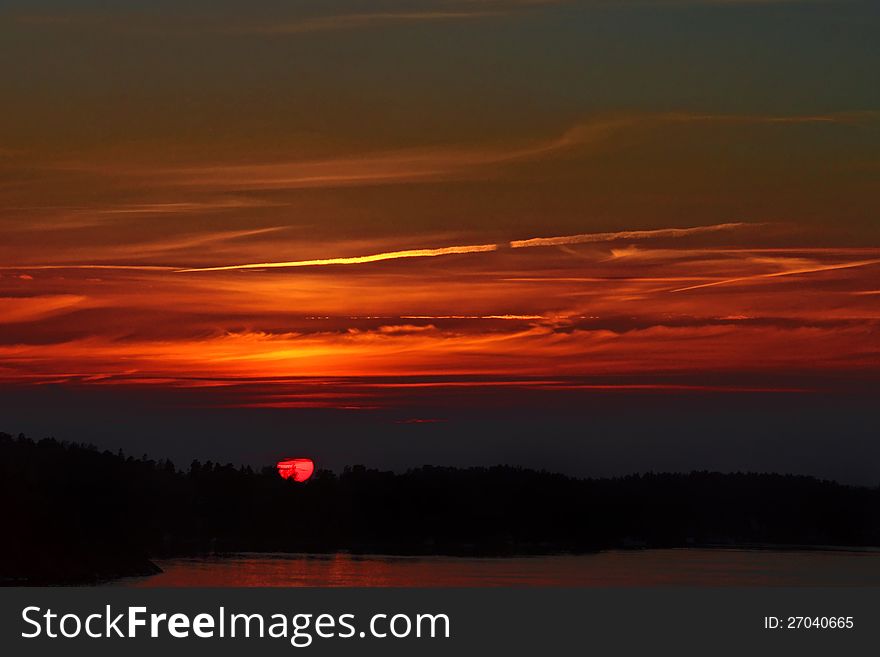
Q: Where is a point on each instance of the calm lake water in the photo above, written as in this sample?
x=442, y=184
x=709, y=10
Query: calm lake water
x=684, y=567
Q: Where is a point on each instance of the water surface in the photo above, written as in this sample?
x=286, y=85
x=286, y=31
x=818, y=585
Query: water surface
x=678, y=567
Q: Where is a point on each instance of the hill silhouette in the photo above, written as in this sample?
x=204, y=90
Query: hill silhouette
x=75, y=514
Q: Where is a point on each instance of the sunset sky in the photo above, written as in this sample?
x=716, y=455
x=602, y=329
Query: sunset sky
x=408, y=220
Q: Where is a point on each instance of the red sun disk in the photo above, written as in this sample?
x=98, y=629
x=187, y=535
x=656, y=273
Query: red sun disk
x=297, y=469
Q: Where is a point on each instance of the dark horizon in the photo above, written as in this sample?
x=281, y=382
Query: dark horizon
x=594, y=434
x=270, y=464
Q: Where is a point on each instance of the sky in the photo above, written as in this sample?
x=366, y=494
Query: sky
x=590, y=236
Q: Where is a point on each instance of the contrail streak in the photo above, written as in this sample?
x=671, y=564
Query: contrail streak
x=126, y=267
x=483, y=248
x=535, y=242
x=585, y=238
x=357, y=260
x=777, y=274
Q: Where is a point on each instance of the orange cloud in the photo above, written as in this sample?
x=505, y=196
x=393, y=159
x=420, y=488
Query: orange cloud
x=27, y=309
x=467, y=308
x=224, y=274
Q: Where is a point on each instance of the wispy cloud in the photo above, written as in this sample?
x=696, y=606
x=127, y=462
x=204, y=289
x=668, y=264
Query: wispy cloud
x=182, y=207
x=164, y=247
x=324, y=19
x=415, y=164
x=26, y=267
x=291, y=20
x=360, y=21
x=27, y=309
